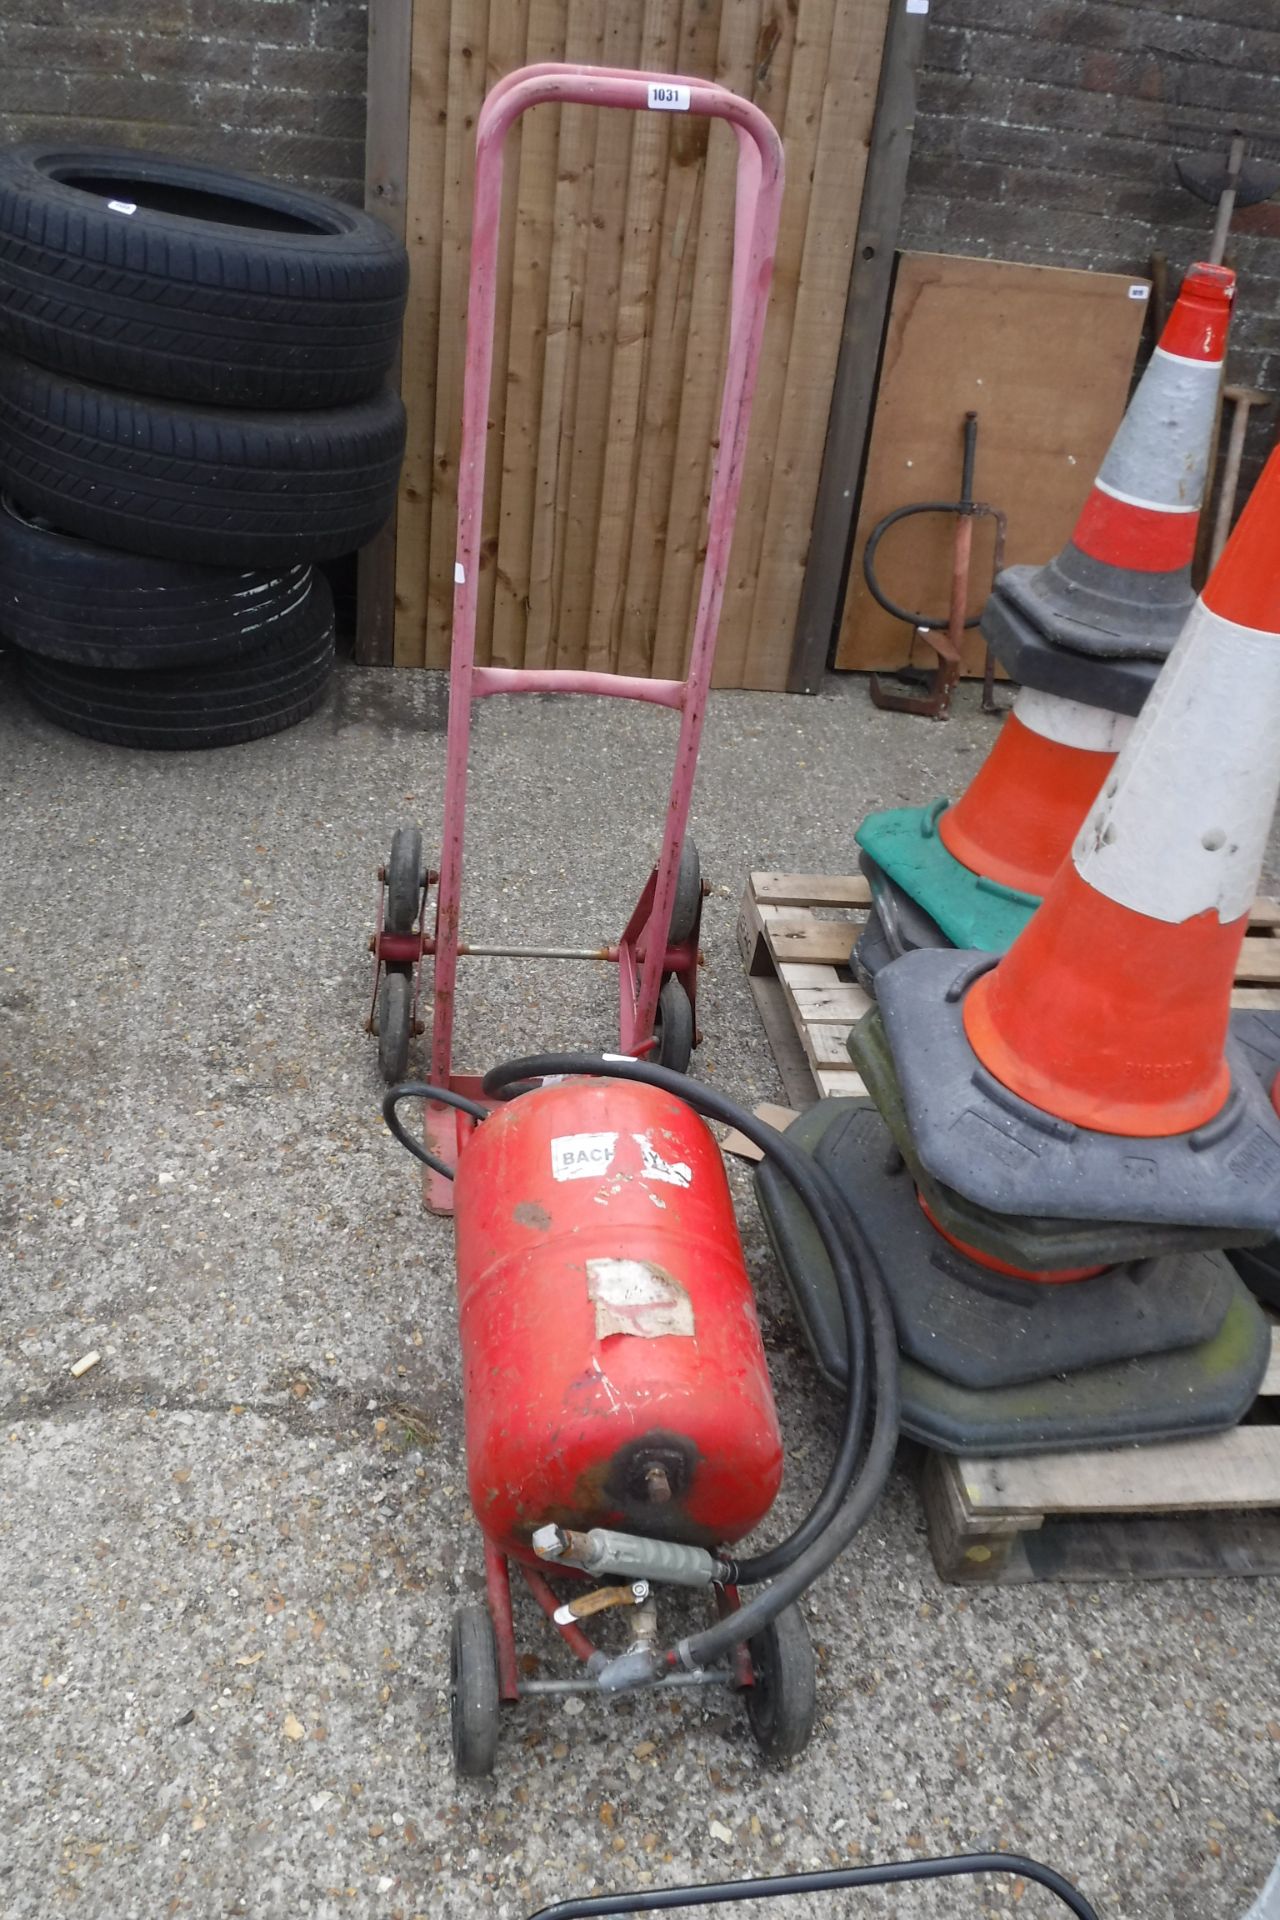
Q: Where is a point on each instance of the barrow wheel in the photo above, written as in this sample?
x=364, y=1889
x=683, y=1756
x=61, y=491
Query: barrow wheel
x=782, y=1701
x=673, y=1027
x=395, y=1019
x=404, y=880
x=474, y=1706
x=684, y=912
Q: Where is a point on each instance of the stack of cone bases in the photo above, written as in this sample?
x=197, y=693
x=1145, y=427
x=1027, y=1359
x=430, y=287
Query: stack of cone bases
x=1085, y=635
x=1038, y=1116
x=1257, y=1033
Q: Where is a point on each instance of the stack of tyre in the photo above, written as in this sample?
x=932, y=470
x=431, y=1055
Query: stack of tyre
x=194, y=410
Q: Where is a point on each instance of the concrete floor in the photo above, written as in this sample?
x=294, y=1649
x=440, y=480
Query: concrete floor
x=228, y=1561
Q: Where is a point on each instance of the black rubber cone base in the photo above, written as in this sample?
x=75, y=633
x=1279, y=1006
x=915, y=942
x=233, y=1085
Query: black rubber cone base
x=896, y=924
x=1097, y=609
x=975, y=1136
x=1258, y=1034
x=975, y=1328
x=1121, y=686
x=1168, y=1396
x=1023, y=1240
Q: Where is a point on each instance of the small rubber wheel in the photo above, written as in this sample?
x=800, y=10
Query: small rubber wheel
x=673, y=1027
x=404, y=880
x=684, y=913
x=782, y=1702
x=474, y=1706
x=395, y=1011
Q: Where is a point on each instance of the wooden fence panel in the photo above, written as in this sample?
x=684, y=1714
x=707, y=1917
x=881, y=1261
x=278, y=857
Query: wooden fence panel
x=611, y=331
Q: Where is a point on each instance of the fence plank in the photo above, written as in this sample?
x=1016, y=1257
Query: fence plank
x=468, y=42
x=642, y=234
x=848, y=108
x=571, y=232
x=522, y=406
x=610, y=167
x=508, y=40
x=704, y=354
x=424, y=211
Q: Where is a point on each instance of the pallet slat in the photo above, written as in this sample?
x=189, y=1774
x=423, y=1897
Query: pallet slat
x=781, y=936
x=811, y=890
x=1229, y=1470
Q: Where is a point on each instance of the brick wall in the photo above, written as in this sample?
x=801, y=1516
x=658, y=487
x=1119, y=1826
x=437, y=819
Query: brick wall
x=270, y=86
x=1047, y=132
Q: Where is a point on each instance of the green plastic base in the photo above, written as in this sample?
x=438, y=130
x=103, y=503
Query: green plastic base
x=971, y=910
x=1200, y=1389
x=1167, y=1396
x=1032, y=1241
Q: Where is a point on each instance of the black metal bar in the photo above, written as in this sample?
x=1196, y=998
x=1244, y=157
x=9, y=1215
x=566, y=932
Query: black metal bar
x=833, y=1880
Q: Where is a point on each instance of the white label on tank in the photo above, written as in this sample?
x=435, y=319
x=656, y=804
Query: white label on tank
x=1139, y=292
x=631, y=1296
x=917, y=6
x=123, y=206
x=676, y=1173
x=668, y=99
x=579, y=1156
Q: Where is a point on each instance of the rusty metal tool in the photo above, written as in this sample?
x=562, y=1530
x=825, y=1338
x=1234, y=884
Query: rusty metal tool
x=1243, y=401
x=945, y=636
x=1232, y=181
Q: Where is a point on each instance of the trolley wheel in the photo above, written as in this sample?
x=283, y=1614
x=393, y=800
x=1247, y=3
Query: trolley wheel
x=474, y=1707
x=782, y=1701
x=673, y=1027
x=404, y=880
x=684, y=912
x=395, y=1021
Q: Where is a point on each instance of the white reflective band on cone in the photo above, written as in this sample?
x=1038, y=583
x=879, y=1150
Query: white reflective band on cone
x=1181, y=825
x=1070, y=723
x=1161, y=449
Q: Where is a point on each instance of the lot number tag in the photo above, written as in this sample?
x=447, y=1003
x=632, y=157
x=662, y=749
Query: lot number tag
x=668, y=99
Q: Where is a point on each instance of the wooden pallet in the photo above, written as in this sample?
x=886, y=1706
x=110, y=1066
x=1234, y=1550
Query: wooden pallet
x=1182, y=1509
x=795, y=933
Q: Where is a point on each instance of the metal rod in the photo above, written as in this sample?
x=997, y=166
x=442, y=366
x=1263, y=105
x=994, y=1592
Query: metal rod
x=497, y=1576
x=825, y=1880
x=1243, y=401
x=1227, y=201
x=536, y=953
x=610, y=686
x=704, y=1677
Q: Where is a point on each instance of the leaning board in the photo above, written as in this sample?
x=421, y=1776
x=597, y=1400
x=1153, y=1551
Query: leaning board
x=1045, y=356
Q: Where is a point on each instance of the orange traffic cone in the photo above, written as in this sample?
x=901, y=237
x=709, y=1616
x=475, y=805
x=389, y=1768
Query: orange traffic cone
x=1110, y=1012
x=1122, y=584
x=1021, y=811
x=1085, y=635
x=1112, y=1009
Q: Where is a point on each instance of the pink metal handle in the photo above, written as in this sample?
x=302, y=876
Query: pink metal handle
x=757, y=209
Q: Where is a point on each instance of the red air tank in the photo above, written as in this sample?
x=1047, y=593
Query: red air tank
x=612, y=1363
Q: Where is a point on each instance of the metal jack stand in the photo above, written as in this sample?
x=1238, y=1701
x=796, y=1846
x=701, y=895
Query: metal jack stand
x=948, y=633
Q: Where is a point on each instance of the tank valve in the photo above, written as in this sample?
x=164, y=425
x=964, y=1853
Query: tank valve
x=656, y=1485
x=627, y=1556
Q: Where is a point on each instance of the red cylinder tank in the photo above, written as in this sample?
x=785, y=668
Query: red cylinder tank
x=612, y=1363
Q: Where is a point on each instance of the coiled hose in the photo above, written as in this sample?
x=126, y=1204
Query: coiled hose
x=869, y=1427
